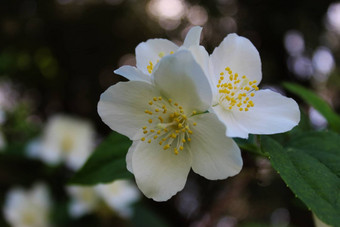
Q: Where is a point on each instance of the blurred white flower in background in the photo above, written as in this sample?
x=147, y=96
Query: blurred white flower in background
x=333, y=17
x=84, y=200
x=9, y=97
x=302, y=66
x=323, y=62
x=28, y=208
x=318, y=121
x=168, y=12
x=197, y=15
x=8, y=100
x=119, y=196
x=294, y=42
x=66, y=139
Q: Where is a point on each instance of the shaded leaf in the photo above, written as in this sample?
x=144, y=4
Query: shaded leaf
x=249, y=145
x=309, y=165
x=107, y=163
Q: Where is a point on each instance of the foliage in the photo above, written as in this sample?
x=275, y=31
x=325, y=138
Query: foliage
x=309, y=165
x=106, y=164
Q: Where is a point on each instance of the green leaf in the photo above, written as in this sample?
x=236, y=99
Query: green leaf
x=249, y=145
x=106, y=164
x=318, y=103
x=309, y=165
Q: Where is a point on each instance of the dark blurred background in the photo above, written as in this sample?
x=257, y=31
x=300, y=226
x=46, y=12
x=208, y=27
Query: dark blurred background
x=59, y=55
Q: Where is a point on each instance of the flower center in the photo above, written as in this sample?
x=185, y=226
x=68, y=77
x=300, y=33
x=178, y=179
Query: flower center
x=29, y=218
x=235, y=92
x=169, y=126
x=160, y=55
x=67, y=143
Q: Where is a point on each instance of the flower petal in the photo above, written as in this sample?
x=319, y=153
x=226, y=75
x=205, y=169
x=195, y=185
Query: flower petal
x=214, y=155
x=202, y=58
x=179, y=77
x=159, y=173
x=132, y=73
x=272, y=113
x=129, y=155
x=193, y=37
x=122, y=106
x=234, y=129
x=151, y=51
x=240, y=55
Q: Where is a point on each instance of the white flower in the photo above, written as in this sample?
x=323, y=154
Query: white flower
x=235, y=74
x=65, y=139
x=28, y=208
x=84, y=200
x=171, y=130
x=150, y=52
x=119, y=196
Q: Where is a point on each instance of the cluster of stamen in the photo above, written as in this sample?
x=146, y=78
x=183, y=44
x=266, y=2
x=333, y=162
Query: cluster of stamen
x=168, y=125
x=235, y=92
x=151, y=65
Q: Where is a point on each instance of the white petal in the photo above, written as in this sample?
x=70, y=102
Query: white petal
x=122, y=106
x=159, y=173
x=179, y=77
x=272, y=113
x=214, y=155
x=202, y=58
x=234, y=128
x=150, y=51
x=240, y=55
x=132, y=73
x=129, y=155
x=193, y=37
